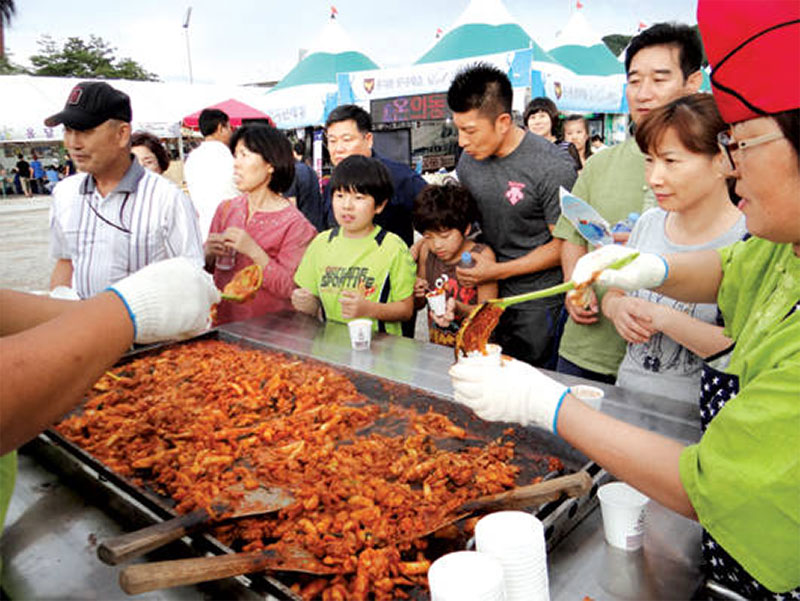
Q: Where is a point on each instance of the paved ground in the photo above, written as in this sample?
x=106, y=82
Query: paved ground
x=24, y=253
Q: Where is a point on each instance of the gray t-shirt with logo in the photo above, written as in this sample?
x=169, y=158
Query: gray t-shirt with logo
x=661, y=365
x=517, y=196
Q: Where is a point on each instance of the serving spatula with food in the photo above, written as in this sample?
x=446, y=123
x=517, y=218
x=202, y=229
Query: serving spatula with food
x=478, y=326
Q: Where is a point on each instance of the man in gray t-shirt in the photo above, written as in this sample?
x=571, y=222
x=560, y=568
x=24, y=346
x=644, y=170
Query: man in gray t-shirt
x=514, y=177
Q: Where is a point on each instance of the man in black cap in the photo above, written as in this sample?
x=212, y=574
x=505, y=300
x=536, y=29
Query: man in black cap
x=115, y=217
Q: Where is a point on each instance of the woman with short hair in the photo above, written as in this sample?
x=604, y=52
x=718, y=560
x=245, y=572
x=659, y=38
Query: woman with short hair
x=261, y=226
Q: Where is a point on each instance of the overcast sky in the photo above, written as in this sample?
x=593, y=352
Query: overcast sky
x=241, y=41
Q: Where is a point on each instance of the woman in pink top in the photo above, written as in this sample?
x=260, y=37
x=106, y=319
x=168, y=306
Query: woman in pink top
x=261, y=226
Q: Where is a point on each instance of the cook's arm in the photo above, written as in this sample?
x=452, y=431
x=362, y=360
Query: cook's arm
x=693, y=277
x=47, y=368
x=644, y=459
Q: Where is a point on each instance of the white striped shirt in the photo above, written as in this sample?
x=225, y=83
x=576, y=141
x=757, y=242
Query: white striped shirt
x=145, y=219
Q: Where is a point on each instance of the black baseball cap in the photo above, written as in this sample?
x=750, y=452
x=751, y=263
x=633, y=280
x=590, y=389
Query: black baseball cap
x=91, y=103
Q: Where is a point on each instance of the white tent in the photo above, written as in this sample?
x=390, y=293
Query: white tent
x=590, y=79
x=157, y=107
x=306, y=94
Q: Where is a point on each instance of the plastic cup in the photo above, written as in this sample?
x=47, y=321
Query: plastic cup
x=624, y=510
x=591, y=395
x=226, y=261
x=438, y=304
x=360, y=334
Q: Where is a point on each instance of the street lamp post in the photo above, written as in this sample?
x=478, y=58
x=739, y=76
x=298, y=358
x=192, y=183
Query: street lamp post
x=186, y=31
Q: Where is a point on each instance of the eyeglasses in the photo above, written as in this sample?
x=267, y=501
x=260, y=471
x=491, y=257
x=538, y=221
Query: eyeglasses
x=730, y=145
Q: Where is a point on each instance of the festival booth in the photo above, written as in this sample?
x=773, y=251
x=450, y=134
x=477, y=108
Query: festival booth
x=412, y=98
x=592, y=80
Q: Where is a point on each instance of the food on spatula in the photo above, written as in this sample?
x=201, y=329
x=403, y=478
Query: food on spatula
x=477, y=328
x=244, y=284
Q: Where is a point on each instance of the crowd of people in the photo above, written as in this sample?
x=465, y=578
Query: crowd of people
x=708, y=306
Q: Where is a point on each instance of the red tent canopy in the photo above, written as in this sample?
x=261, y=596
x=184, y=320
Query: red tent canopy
x=236, y=111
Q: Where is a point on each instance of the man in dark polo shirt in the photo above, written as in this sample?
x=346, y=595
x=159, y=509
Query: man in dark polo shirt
x=514, y=176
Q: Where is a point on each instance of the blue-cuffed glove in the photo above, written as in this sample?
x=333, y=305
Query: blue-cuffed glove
x=168, y=300
x=511, y=392
x=648, y=270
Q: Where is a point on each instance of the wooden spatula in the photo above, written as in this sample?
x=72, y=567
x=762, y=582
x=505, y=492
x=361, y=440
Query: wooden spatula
x=144, y=577
x=258, y=501
x=572, y=485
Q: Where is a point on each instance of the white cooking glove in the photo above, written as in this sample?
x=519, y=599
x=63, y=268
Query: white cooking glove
x=169, y=299
x=648, y=270
x=511, y=392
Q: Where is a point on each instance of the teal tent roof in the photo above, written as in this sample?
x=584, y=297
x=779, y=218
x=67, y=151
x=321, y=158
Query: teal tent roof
x=479, y=39
x=322, y=67
x=588, y=60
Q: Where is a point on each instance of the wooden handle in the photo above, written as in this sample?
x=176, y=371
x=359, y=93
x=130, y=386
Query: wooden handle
x=144, y=577
x=573, y=485
x=121, y=548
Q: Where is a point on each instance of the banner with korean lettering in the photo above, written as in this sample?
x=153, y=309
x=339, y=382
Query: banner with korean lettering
x=418, y=107
x=581, y=93
x=363, y=86
x=298, y=106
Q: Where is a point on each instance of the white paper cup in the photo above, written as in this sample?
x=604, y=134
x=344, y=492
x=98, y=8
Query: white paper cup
x=438, y=304
x=360, y=333
x=591, y=395
x=466, y=576
x=492, y=356
x=624, y=510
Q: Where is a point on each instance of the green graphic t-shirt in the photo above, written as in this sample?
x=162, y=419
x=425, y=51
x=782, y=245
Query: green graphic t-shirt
x=379, y=265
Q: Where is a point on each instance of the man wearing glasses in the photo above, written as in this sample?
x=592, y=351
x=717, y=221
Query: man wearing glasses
x=116, y=217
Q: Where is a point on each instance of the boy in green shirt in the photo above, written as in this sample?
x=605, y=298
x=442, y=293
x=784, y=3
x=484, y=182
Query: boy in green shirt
x=358, y=269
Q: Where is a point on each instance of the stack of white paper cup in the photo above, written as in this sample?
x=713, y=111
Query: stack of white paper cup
x=623, y=509
x=516, y=540
x=466, y=576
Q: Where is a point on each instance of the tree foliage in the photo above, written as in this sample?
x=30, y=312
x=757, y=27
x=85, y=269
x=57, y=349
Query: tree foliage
x=78, y=58
x=616, y=42
x=9, y=68
x=7, y=10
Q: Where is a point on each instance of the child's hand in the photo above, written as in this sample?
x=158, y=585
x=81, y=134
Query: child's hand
x=304, y=301
x=353, y=304
x=420, y=288
x=443, y=321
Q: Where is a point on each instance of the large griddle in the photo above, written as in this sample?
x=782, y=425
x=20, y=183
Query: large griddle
x=533, y=447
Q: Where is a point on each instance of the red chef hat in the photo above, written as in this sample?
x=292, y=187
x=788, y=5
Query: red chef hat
x=754, y=49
